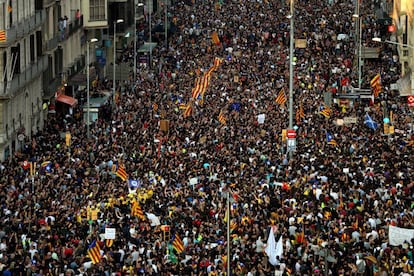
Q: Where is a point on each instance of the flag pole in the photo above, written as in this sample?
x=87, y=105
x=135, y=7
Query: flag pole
x=228, y=231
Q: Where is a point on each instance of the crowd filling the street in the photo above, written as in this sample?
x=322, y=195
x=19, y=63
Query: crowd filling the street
x=197, y=148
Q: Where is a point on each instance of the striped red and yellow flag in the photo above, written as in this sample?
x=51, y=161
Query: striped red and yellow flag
x=3, y=37
x=222, y=118
x=94, y=252
x=188, y=110
x=215, y=38
x=217, y=62
x=281, y=97
x=376, y=85
x=177, y=243
x=197, y=88
x=136, y=210
x=121, y=172
x=109, y=243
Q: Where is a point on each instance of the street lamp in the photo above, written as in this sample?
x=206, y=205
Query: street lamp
x=359, y=22
x=135, y=38
x=377, y=39
x=291, y=17
x=114, y=75
x=88, y=119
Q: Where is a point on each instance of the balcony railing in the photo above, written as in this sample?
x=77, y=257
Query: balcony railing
x=23, y=28
x=21, y=80
x=52, y=43
x=73, y=26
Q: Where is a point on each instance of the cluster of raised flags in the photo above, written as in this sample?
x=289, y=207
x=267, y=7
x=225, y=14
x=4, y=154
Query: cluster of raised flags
x=200, y=87
x=325, y=110
x=281, y=97
x=376, y=85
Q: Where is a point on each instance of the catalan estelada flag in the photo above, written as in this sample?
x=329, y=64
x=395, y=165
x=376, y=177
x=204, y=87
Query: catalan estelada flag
x=94, y=252
x=325, y=110
x=281, y=97
x=177, y=243
x=121, y=173
x=376, y=85
x=330, y=140
x=3, y=36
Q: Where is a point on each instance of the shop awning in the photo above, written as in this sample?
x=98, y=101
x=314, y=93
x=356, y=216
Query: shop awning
x=67, y=100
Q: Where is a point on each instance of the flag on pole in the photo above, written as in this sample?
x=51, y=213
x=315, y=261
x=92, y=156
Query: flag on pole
x=370, y=123
x=376, y=85
x=281, y=97
x=121, y=173
x=94, y=252
x=177, y=243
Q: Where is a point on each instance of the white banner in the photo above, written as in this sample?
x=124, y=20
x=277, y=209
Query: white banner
x=397, y=235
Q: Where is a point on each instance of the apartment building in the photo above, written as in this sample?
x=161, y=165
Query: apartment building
x=39, y=51
x=22, y=64
x=403, y=17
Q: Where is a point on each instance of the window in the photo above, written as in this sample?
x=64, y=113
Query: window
x=97, y=10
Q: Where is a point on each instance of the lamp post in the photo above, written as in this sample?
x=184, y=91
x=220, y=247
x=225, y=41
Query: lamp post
x=135, y=38
x=88, y=118
x=150, y=31
x=166, y=23
x=114, y=71
x=377, y=39
x=359, y=23
x=292, y=21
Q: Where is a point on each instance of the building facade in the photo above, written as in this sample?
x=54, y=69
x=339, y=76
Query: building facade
x=22, y=64
x=403, y=17
x=39, y=51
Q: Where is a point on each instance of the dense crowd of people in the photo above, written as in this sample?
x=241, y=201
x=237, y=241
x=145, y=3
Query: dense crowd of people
x=331, y=201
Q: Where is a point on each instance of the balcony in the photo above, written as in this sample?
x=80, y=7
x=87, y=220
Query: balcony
x=50, y=89
x=21, y=80
x=73, y=26
x=42, y=4
x=52, y=43
x=23, y=28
